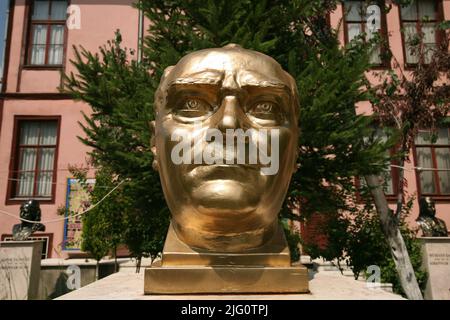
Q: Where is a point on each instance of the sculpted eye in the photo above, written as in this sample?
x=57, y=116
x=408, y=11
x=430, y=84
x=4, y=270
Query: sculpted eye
x=193, y=108
x=264, y=107
x=193, y=105
x=267, y=111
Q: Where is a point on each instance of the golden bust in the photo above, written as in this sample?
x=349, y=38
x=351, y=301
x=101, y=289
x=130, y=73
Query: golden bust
x=225, y=146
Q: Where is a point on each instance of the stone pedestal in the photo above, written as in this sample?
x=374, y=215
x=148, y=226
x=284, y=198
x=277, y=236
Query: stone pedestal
x=20, y=266
x=184, y=270
x=325, y=285
x=436, y=260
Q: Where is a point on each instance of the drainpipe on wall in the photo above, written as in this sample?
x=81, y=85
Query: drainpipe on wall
x=4, y=39
x=9, y=5
x=140, y=32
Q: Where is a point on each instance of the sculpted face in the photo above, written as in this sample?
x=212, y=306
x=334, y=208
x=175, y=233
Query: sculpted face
x=223, y=197
x=30, y=210
x=427, y=206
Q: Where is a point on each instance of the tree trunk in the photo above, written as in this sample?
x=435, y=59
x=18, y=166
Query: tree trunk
x=138, y=264
x=116, y=266
x=389, y=224
x=97, y=266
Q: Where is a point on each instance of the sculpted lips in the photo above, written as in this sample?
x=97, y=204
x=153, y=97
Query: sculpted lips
x=240, y=172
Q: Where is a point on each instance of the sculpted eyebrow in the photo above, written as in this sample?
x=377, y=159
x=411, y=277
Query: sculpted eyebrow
x=192, y=87
x=204, y=77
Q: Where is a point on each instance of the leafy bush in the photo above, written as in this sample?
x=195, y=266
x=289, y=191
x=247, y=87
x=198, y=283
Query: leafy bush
x=356, y=239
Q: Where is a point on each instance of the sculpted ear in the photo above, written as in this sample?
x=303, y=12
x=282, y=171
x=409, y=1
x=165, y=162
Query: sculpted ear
x=161, y=91
x=152, y=125
x=160, y=100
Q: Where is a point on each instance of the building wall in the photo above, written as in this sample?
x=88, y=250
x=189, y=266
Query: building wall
x=396, y=46
x=33, y=92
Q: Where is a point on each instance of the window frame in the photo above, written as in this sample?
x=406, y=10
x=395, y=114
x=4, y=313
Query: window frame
x=29, y=39
x=439, y=11
x=383, y=31
x=436, y=196
x=15, y=158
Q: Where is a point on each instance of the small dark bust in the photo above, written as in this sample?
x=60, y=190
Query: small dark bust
x=429, y=224
x=31, y=211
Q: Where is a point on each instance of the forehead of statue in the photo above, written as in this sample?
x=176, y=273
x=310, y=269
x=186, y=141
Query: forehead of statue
x=213, y=65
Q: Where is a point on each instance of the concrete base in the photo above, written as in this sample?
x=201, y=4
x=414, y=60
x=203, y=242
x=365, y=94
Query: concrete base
x=54, y=276
x=185, y=270
x=322, y=285
x=436, y=261
x=20, y=266
x=275, y=253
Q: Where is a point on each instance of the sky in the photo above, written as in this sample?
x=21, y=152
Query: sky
x=3, y=11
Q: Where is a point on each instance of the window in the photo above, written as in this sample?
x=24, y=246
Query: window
x=420, y=16
x=34, y=159
x=365, y=17
x=46, y=43
x=433, y=155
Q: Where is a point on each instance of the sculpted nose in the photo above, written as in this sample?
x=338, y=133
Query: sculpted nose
x=230, y=117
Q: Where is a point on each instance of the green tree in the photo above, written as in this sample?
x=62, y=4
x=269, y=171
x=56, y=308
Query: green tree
x=119, y=91
x=358, y=241
x=102, y=225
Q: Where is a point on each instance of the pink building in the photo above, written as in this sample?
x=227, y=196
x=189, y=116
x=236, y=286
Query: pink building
x=38, y=125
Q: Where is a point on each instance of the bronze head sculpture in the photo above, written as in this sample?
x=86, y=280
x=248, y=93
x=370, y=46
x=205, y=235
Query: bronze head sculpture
x=229, y=95
x=429, y=224
x=30, y=211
